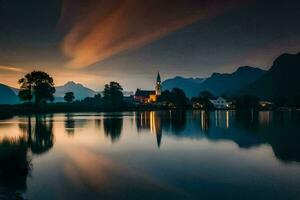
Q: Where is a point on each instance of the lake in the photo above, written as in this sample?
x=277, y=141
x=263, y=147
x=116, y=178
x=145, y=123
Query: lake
x=151, y=155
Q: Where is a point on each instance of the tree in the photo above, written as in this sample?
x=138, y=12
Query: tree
x=69, y=97
x=25, y=95
x=203, y=101
x=280, y=101
x=247, y=102
x=173, y=99
x=40, y=85
x=96, y=100
x=97, y=97
x=179, y=98
x=206, y=95
x=113, y=95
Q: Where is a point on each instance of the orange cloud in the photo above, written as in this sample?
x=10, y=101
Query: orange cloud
x=11, y=68
x=99, y=29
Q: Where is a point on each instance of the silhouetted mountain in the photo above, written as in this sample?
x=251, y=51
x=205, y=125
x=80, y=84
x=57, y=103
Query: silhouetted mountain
x=7, y=96
x=79, y=90
x=217, y=83
x=281, y=80
x=188, y=85
x=227, y=83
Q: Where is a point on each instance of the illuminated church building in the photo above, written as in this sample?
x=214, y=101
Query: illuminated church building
x=149, y=96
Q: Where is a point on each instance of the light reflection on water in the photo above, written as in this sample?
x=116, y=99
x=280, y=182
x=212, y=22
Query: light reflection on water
x=194, y=155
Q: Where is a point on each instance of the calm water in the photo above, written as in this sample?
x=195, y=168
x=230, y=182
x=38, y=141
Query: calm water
x=151, y=155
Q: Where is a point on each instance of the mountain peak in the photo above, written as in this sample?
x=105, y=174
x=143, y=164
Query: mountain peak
x=73, y=84
x=70, y=83
x=79, y=90
x=286, y=57
x=247, y=69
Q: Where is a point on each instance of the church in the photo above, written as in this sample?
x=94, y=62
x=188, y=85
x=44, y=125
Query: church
x=149, y=96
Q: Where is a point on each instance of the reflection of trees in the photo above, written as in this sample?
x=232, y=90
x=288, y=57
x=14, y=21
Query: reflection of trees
x=40, y=136
x=248, y=120
x=14, y=162
x=113, y=127
x=142, y=121
x=42, y=139
x=98, y=123
x=69, y=124
x=178, y=121
x=14, y=167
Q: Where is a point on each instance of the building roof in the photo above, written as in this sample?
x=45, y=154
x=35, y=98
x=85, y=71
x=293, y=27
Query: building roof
x=144, y=93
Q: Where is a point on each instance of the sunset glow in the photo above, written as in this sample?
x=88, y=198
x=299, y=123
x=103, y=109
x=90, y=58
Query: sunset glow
x=110, y=27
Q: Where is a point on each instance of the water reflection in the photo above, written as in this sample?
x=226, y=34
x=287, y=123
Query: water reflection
x=279, y=130
x=245, y=129
x=70, y=124
x=43, y=138
x=40, y=137
x=15, y=162
x=197, y=138
x=156, y=127
x=113, y=127
x=14, y=167
x=205, y=121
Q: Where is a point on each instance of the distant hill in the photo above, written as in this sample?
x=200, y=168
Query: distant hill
x=189, y=85
x=281, y=80
x=15, y=90
x=79, y=90
x=227, y=83
x=7, y=96
x=217, y=83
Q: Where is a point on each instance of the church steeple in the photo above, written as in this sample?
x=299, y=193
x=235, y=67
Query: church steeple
x=158, y=78
x=158, y=85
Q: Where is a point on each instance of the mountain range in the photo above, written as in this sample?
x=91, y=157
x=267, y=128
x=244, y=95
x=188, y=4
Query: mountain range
x=281, y=80
x=217, y=83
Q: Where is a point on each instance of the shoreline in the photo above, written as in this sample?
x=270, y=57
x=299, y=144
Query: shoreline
x=56, y=108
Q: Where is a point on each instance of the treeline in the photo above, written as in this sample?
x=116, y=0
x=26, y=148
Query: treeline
x=37, y=89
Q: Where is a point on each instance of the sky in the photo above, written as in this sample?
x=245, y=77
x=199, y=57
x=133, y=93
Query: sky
x=96, y=41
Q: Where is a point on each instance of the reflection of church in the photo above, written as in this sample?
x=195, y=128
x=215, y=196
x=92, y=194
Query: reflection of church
x=149, y=96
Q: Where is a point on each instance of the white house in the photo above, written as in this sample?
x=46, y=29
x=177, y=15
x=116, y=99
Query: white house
x=220, y=103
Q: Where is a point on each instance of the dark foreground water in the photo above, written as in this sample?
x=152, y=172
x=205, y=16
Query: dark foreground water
x=151, y=155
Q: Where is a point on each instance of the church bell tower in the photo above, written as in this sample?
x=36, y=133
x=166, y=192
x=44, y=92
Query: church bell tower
x=158, y=85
